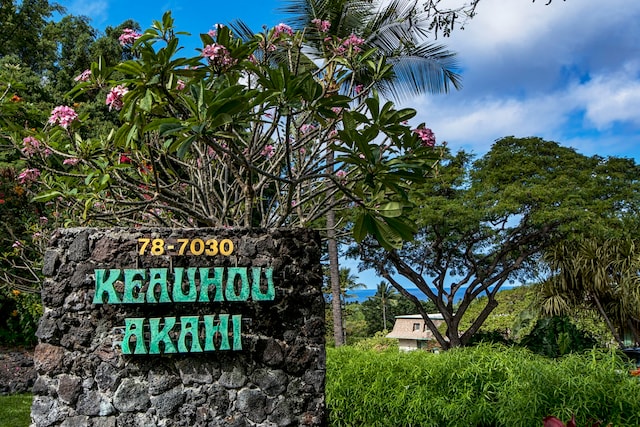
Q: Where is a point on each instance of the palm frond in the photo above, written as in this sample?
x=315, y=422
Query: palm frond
x=425, y=69
x=396, y=24
x=241, y=29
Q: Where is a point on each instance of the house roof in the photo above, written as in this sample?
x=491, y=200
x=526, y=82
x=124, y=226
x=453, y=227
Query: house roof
x=404, y=328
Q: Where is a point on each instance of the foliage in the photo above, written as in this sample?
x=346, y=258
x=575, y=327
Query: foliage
x=23, y=311
x=378, y=342
x=514, y=315
x=517, y=313
x=600, y=275
x=236, y=139
x=39, y=56
x=485, y=223
x=486, y=385
x=557, y=336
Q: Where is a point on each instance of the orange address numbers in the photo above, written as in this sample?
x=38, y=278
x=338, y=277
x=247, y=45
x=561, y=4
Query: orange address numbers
x=185, y=247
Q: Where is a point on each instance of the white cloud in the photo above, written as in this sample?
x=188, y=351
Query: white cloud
x=611, y=99
x=565, y=72
x=97, y=10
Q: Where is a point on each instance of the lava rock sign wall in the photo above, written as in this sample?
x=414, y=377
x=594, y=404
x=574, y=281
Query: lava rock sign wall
x=167, y=327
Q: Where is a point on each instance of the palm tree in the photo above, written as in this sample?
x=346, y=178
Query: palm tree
x=600, y=275
x=408, y=65
x=348, y=282
x=397, y=32
x=386, y=293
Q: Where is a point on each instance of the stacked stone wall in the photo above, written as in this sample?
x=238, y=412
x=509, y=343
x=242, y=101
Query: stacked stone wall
x=275, y=379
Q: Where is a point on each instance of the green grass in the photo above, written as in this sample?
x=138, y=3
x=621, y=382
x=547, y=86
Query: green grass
x=15, y=410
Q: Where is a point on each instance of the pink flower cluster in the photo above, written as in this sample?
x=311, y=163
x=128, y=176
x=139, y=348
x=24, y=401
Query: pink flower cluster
x=32, y=146
x=63, y=116
x=322, y=26
x=268, y=151
x=351, y=44
x=83, y=77
x=114, y=97
x=71, y=161
x=282, y=29
x=427, y=136
x=341, y=174
x=306, y=128
x=217, y=54
x=128, y=36
x=214, y=32
x=28, y=175
x=353, y=41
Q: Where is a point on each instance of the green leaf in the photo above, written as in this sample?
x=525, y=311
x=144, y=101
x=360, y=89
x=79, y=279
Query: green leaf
x=386, y=236
x=391, y=209
x=46, y=196
x=185, y=145
x=146, y=103
x=359, y=228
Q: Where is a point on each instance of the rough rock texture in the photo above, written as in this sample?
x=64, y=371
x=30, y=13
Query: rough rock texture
x=277, y=379
x=17, y=374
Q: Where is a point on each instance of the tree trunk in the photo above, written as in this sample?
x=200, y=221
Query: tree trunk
x=612, y=328
x=384, y=314
x=334, y=277
x=334, y=265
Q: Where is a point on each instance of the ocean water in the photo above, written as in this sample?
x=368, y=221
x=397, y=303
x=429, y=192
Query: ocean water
x=361, y=295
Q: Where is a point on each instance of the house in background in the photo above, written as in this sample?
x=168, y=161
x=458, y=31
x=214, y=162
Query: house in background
x=412, y=332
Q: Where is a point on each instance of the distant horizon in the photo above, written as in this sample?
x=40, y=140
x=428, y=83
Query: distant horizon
x=361, y=295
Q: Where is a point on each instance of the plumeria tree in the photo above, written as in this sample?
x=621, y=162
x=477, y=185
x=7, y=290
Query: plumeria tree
x=233, y=137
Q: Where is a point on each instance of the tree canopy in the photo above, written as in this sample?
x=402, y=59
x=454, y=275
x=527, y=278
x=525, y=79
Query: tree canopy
x=487, y=222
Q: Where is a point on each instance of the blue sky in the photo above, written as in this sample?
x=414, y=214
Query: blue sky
x=567, y=72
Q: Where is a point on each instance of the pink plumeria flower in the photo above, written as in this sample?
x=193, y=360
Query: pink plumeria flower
x=282, y=29
x=83, y=77
x=322, y=26
x=341, y=174
x=427, y=136
x=31, y=146
x=217, y=54
x=17, y=244
x=268, y=151
x=128, y=36
x=180, y=85
x=28, y=175
x=214, y=32
x=71, y=161
x=305, y=128
x=358, y=89
x=354, y=42
x=115, y=97
x=63, y=116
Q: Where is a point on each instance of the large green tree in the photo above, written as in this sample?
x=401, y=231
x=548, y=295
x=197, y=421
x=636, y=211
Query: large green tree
x=487, y=222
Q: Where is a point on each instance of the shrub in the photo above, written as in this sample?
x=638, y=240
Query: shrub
x=485, y=385
x=21, y=312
